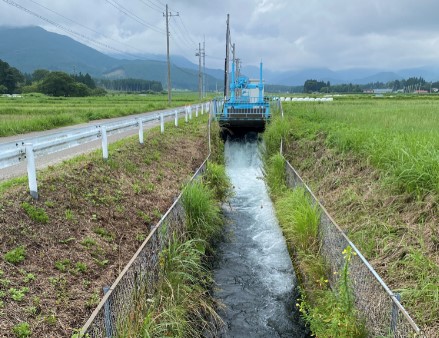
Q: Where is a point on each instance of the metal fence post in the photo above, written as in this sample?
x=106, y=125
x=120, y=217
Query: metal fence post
x=140, y=132
x=162, y=123
x=176, y=118
x=186, y=114
x=104, y=143
x=31, y=170
x=202, y=109
x=190, y=112
x=107, y=315
x=196, y=111
x=395, y=314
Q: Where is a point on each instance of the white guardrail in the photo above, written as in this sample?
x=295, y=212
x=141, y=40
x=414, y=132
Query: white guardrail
x=13, y=153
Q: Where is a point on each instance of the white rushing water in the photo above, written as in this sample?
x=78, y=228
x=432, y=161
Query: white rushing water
x=255, y=277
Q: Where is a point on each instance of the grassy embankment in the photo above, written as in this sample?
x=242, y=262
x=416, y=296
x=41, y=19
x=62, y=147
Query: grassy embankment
x=58, y=252
x=182, y=305
x=374, y=162
x=36, y=112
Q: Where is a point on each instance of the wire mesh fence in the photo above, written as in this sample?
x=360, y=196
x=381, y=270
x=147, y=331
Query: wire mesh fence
x=139, y=277
x=378, y=306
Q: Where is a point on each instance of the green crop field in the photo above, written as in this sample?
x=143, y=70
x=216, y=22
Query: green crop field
x=374, y=163
x=35, y=112
x=398, y=135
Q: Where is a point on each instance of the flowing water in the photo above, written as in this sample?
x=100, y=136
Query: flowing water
x=254, y=274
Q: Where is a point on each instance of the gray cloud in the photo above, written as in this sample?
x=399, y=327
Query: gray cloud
x=285, y=34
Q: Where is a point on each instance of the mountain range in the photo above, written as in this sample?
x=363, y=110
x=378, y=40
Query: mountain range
x=31, y=48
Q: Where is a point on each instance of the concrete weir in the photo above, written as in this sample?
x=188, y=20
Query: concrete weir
x=254, y=275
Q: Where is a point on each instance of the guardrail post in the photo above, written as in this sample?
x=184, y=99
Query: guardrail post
x=162, y=123
x=31, y=170
x=190, y=112
x=140, y=132
x=202, y=109
x=176, y=118
x=107, y=315
x=186, y=112
x=104, y=143
x=196, y=111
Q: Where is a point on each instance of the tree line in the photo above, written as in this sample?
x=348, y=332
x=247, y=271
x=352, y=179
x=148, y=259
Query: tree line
x=406, y=85
x=57, y=83
x=131, y=85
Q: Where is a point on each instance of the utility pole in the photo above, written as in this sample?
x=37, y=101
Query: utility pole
x=226, y=63
x=167, y=15
x=200, y=79
x=204, y=66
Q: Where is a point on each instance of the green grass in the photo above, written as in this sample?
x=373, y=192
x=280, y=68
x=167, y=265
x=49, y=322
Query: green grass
x=328, y=313
x=202, y=212
x=16, y=255
x=397, y=138
x=217, y=180
x=181, y=305
x=36, y=214
x=35, y=113
x=397, y=135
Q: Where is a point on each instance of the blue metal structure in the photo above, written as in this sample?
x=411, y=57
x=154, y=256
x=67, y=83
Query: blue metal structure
x=246, y=106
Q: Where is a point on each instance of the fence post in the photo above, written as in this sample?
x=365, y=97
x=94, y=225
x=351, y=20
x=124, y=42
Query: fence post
x=190, y=112
x=31, y=170
x=162, y=123
x=176, y=118
x=196, y=111
x=202, y=109
x=395, y=314
x=107, y=315
x=185, y=114
x=104, y=143
x=208, y=129
x=140, y=132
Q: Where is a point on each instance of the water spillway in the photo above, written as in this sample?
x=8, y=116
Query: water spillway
x=254, y=275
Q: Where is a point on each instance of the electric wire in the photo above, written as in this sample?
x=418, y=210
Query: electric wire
x=133, y=16
x=151, y=5
x=69, y=30
x=178, y=31
x=88, y=28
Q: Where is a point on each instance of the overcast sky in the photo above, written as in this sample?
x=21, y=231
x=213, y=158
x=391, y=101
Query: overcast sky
x=285, y=34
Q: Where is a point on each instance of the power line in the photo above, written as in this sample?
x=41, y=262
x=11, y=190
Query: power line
x=68, y=30
x=152, y=5
x=177, y=31
x=81, y=25
x=187, y=32
x=133, y=16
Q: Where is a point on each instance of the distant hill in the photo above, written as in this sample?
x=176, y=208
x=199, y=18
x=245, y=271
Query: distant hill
x=31, y=48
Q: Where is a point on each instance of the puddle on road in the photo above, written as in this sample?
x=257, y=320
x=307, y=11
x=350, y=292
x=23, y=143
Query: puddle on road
x=254, y=274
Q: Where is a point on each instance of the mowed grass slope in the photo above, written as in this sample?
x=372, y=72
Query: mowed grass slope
x=57, y=253
x=374, y=163
x=35, y=112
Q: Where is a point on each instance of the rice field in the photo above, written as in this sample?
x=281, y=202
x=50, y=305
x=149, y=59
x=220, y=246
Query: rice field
x=398, y=135
x=36, y=112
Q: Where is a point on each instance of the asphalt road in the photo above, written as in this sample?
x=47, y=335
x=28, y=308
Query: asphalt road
x=54, y=158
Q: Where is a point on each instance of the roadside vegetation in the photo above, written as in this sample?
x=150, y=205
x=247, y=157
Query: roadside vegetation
x=59, y=251
x=374, y=164
x=182, y=304
x=36, y=112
